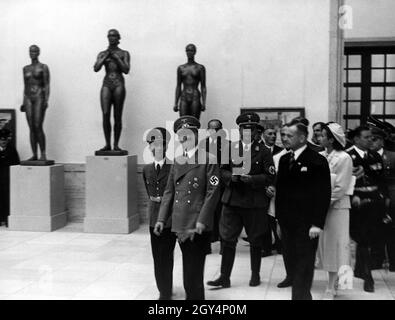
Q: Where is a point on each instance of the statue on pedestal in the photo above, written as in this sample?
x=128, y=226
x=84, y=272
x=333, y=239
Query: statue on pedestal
x=116, y=62
x=189, y=100
x=35, y=104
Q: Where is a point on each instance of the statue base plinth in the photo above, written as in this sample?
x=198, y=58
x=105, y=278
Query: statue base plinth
x=37, y=199
x=37, y=163
x=111, y=153
x=111, y=195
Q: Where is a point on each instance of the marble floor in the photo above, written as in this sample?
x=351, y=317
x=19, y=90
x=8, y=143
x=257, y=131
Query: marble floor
x=69, y=264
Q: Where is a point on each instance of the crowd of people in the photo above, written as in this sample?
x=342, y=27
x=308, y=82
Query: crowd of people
x=308, y=200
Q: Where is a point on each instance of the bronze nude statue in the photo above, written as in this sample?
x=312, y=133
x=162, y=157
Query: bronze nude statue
x=116, y=62
x=189, y=101
x=35, y=104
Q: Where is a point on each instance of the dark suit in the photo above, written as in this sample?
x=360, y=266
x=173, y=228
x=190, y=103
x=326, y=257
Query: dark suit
x=245, y=204
x=8, y=157
x=191, y=196
x=387, y=241
x=366, y=220
x=162, y=246
x=303, y=192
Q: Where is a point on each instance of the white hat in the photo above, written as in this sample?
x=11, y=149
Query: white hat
x=337, y=132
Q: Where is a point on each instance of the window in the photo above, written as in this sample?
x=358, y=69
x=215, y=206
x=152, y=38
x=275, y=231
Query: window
x=369, y=87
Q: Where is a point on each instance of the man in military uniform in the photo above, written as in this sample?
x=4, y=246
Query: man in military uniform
x=155, y=177
x=387, y=243
x=217, y=145
x=368, y=202
x=190, y=197
x=245, y=203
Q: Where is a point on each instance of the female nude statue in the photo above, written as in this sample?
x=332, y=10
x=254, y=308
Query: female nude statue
x=189, y=75
x=116, y=62
x=35, y=101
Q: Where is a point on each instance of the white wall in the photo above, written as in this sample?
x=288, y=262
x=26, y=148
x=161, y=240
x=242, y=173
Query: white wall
x=257, y=53
x=372, y=19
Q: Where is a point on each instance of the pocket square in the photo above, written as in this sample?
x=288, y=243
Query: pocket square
x=303, y=169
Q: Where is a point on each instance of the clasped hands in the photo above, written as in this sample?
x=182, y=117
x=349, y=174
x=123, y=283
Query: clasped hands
x=182, y=236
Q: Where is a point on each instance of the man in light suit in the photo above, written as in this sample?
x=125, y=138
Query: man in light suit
x=191, y=197
x=155, y=177
x=303, y=193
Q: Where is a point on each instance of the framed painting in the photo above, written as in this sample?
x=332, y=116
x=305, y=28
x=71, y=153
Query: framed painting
x=8, y=121
x=276, y=117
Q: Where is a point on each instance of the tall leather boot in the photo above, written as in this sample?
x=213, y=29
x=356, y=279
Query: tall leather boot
x=255, y=256
x=228, y=258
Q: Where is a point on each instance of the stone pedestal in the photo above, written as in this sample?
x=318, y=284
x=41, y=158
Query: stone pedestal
x=111, y=194
x=37, y=201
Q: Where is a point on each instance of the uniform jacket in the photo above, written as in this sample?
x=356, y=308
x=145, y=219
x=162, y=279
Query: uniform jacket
x=373, y=174
x=262, y=171
x=340, y=165
x=389, y=177
x=155, y=186
x=191, y=194
x=303, y=192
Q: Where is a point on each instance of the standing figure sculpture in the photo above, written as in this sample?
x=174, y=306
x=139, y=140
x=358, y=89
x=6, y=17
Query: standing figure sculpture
x=189, y=101
x=35, y=102
x=116, y=62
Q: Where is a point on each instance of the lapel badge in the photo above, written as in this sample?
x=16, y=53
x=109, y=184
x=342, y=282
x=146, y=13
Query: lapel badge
x=303, y=169
x=272, y=170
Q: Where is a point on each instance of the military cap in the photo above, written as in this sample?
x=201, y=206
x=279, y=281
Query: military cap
x=186, y=122
x=5, y=133
x=158, y=134
x=378, y=132
x=248, y=119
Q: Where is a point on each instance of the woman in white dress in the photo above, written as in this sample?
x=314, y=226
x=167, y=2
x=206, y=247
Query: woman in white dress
x=333, y=248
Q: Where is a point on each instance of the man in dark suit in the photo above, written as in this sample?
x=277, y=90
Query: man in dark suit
x=190, y=197
x=367, y=203
x=8, y=157
x=303, y=192
x=245, y=203
x=313, y=145
x=155, y=177
x=217, y=145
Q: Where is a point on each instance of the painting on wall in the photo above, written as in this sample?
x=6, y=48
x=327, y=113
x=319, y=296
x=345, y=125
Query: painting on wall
x=276, y=117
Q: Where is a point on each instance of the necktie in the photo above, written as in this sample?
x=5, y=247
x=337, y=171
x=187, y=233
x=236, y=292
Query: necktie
x=291, y=159
x=157, y=169
x=185, y=153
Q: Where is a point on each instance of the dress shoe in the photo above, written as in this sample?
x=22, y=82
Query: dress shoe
x=164, y=297
x=391, y=268
x=368, y=286
x=220, y=282
x=285, y=283
x=255, y=280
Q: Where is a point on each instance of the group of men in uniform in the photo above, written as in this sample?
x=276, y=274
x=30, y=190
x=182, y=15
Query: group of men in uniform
x=216, y=188
x=372, y=212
